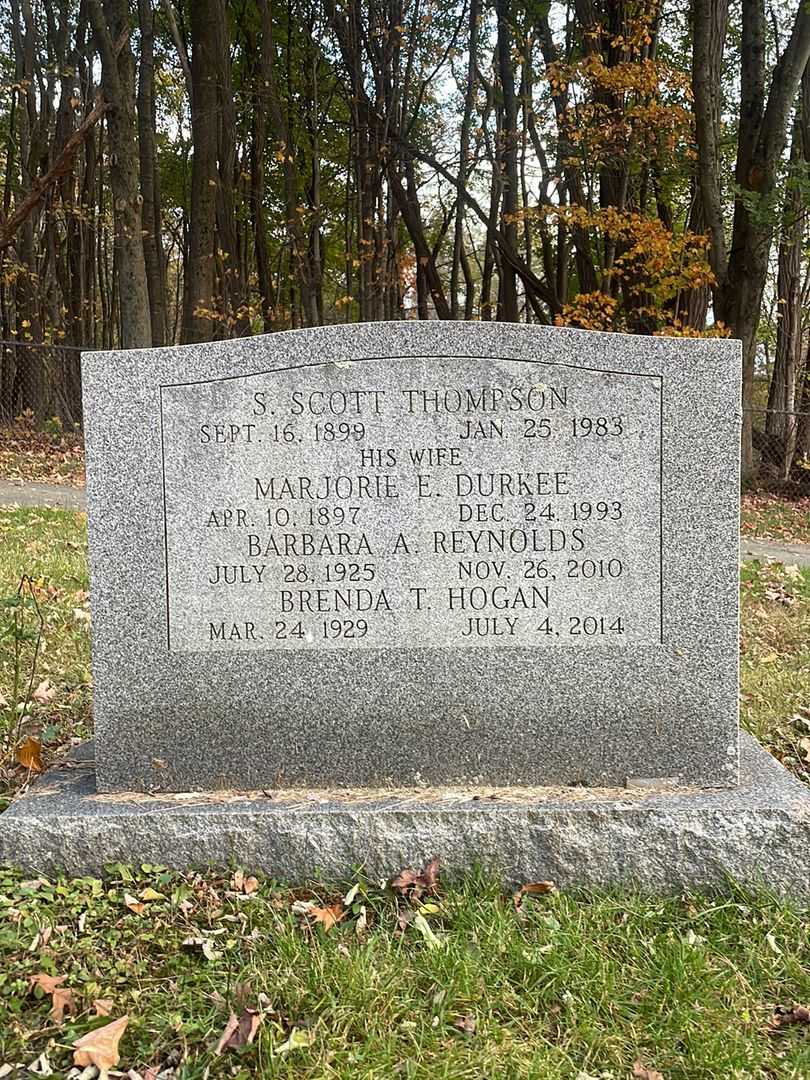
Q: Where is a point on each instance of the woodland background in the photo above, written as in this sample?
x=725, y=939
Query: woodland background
x=181, y=170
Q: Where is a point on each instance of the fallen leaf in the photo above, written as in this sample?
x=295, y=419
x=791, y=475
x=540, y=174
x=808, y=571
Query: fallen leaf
x=239, y=1031
x=362, y=921
x=100, y=1047
x=327, y=917
x=242, y=884
x=782, y=1017
x=641, y=1072
x=349, y=898
x=410, y=883
x=29, y=755
x=205, y=945
x=296, y=1040
x=61, y=997
x=41, y=1066
x=466, y=1024
x=533, y=888
x=46, y=983
x=44, y=693
x=103, y=1006
x=134, y=904
x=62, y=1003
x=420, y=922
x=151, y=894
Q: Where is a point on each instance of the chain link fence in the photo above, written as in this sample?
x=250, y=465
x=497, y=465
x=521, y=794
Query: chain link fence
x=40, y=383
x=782, y=450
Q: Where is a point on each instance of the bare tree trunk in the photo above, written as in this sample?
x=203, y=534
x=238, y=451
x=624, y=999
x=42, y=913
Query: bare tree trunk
x=150, y=178
x=507, y=159
x=234, y=314
x=199, y=282
x=761, y=142
x=780, y=420
x=110, y=22
x=299, y=241
x=460, y=263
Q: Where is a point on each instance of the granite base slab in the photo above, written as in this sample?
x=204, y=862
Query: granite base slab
x=656, y=840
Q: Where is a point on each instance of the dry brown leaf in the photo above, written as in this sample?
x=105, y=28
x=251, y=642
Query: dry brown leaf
x=100, y=1047
x=466, y=1024
x=103, y=1006
x=782, y=1017
x=61, y=998
x=641, y=1072
x=404, y=880
x=62, y=1003
x=134, y=904
x=44, y=693
x=327, y=916
x=239, y=1031
x=410, y=883
x=534, y=888
x=29, y=755
x=47, y=983
x=247, y=885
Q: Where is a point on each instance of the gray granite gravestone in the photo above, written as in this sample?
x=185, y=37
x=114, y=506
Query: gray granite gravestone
x=415, y=553
x=418, y=588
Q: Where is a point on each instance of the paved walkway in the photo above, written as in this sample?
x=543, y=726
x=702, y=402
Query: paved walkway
x=790, y=554
x=72, y=498
x=62, y=496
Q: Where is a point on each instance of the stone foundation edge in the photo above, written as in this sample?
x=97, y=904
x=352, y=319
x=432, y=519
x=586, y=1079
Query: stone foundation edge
x=656, y=840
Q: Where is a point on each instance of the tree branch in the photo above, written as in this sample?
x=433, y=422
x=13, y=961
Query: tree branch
x=62, y=164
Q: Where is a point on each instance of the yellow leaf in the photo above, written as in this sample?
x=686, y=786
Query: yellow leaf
x=100, y=1047
x=29, y=755
x=151, y=894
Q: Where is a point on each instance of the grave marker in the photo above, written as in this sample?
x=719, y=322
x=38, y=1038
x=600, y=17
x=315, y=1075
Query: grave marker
x=415, y=553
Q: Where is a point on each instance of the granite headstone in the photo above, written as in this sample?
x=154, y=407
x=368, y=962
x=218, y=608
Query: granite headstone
x=415, y=554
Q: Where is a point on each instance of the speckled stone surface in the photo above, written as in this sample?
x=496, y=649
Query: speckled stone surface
x=657, y=841
x=410, y=706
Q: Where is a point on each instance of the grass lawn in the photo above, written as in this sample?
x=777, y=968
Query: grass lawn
x=461, y=984
x=766, y=516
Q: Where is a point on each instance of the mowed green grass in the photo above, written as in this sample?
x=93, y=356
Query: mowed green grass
x=47, y=548
x=570, y=986
x=573, y=986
